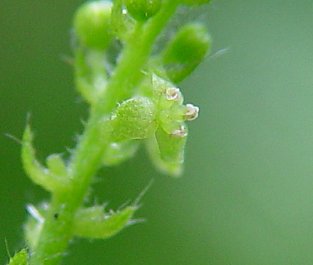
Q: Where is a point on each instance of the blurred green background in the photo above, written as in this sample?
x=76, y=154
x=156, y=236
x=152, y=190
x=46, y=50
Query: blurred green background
x=247, y=193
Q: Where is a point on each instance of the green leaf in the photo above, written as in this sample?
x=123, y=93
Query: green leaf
x=38, y=173
x=134, y=119
x=93, y=223
x=19, y=258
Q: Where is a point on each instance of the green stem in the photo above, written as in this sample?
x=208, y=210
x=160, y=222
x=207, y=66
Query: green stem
x=86, y=159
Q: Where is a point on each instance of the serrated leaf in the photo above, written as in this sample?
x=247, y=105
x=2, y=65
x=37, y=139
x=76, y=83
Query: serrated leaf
x=93, y=223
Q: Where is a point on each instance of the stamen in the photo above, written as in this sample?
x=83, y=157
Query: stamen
x=192, y=112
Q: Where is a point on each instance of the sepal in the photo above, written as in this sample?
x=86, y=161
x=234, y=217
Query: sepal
x=134, y=118
x=94, y=223
x=20, y=258
x=37, y=172
x=167, y=150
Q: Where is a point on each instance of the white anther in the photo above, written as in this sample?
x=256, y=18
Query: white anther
x=181, y=132
x=172, y=93
x=192, y=112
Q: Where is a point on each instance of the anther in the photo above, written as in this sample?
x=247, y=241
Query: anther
x=172, y=93
x=192, y=112
x=181, y=132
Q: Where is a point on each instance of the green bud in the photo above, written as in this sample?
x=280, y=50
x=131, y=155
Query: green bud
x=142, y=10
x=134, y=119
x=92, y=24
x=186, y=51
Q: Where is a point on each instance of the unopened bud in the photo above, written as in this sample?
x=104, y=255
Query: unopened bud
x=92, y=24
x=186, y=51
x=142, y=10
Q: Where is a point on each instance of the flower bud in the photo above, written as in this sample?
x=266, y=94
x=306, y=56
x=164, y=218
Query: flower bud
x=186, y=51
x=92, y=24
x=142, y=10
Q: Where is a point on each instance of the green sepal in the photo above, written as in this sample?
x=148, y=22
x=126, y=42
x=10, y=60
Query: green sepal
x=186, y=51
x=134, y=118
x=94, y=223
x=92, y=24
x=20, y=258
x=167, y=151
x=142, y=10
x=118, y=152
x=36, y=172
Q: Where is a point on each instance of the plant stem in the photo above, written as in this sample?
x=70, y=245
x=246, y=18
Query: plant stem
x=86, y=158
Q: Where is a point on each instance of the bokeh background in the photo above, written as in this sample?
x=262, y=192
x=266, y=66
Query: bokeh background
x=247, y=193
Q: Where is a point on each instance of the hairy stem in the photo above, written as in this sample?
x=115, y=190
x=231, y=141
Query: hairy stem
x=86, y=159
